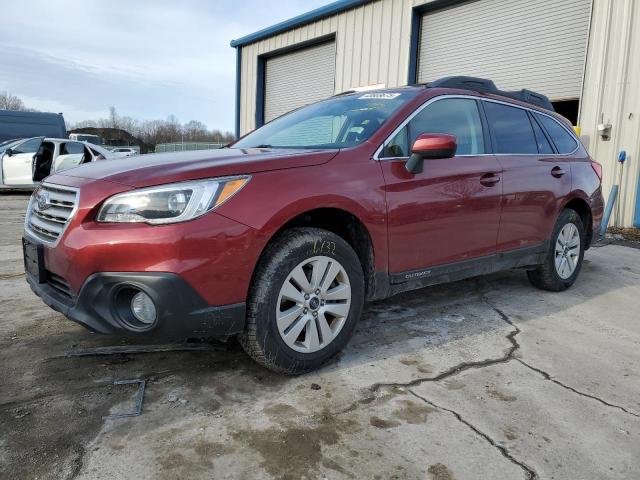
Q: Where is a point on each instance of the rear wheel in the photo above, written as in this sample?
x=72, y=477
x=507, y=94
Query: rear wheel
x=305, y=301
x=563, y=261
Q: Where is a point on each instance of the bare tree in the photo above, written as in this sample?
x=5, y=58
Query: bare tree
x=11, y=102
x=113, y=118
x=153, y=132
x=129, y=124
x=195, y=131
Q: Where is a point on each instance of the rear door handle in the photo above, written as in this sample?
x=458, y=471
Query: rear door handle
x=558, y=172
x=489, y=179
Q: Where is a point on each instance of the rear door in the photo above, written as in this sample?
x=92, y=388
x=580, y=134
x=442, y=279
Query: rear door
x=17, y=167
x=71, y=154
x=535, y=177
x=450, y=211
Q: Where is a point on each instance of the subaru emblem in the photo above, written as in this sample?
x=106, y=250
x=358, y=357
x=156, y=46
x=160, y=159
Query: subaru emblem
x=42, y=199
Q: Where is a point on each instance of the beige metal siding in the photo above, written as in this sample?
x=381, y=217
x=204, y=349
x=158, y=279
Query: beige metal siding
x=298, y=78
x=372, y=47
x=538, y=44
x=612, y=95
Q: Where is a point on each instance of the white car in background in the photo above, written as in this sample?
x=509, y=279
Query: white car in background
x=26, y=162
x=125, y=151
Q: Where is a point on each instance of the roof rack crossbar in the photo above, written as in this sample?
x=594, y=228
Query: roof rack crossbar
x=484, y=85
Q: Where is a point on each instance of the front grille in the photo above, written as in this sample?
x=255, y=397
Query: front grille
x=50, y=209
x=60, y=284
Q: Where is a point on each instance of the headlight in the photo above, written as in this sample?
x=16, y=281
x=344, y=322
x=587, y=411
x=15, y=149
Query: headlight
x=176, y=202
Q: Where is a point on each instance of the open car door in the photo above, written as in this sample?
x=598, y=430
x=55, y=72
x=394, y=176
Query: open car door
x=70, y=155
x=17, y=161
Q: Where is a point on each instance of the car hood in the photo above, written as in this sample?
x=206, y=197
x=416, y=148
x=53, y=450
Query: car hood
x=160, y=168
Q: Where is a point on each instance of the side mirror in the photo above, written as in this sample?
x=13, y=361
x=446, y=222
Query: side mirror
x=8, y=152
x=430, y=146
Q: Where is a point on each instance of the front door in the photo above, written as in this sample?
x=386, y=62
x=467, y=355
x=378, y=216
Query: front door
x=450, y=212
x=17, y=167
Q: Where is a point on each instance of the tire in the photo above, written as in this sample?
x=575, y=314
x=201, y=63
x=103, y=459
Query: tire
x=269, y=338
x=550, y=277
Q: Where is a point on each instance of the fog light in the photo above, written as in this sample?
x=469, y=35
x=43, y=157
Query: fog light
x=143, y=308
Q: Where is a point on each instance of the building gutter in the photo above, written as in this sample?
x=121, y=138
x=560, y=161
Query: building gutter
x=300, y=20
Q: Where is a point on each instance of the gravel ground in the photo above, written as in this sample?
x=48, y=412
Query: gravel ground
x=485, y=378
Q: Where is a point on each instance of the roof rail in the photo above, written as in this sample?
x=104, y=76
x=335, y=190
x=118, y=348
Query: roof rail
x=346, y=92
x=484, y=85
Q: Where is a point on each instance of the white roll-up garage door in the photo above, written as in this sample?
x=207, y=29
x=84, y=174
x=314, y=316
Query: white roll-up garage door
x=298, y=78
x=534, y=44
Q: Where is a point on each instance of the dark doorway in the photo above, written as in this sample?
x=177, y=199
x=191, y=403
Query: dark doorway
x=568, y=109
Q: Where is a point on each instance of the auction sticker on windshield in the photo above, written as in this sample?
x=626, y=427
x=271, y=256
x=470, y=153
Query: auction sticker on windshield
x=379, y=96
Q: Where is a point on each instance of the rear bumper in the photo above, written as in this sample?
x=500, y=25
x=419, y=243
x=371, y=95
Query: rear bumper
x=181, y=312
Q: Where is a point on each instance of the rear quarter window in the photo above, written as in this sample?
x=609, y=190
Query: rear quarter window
x=563, y=140
x=511, y=128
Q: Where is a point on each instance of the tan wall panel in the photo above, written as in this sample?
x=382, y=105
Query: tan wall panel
x=611, y=94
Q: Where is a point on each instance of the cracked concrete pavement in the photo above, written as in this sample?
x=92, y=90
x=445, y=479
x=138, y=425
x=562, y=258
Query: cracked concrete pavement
x=486, y=378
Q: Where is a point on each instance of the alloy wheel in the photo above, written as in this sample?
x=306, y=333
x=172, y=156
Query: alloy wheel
x=313, y=304
x=567, y=251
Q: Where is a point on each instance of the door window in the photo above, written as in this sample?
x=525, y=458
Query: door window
x=454, y=116
x=511, y=128
x=30, y=146
x=72, y=148
x=564, y=141
x=541, y=139
x=71, y=155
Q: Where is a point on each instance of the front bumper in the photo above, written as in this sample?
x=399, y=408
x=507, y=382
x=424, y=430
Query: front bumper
x=181, y=312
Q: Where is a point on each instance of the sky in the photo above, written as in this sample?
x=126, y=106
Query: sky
x=148, y=58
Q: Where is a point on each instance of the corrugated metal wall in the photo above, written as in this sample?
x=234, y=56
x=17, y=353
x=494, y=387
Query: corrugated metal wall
x=538, y=44
x=611, y=94
x=311, y=70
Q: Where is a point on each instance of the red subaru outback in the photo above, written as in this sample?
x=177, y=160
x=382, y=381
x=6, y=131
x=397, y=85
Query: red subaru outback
x=282, y=237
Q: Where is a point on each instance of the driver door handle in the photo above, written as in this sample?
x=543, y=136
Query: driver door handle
x=489, y=179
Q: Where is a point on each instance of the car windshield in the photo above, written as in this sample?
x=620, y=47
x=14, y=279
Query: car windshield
x=339, y=122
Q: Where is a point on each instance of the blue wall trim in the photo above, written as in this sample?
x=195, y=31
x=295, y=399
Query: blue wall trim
x=305, y=18
x=260, y=91
x=238, y=88
x=416, y=15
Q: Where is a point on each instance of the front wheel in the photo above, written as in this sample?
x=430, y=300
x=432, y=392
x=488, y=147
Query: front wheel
x=563, y=261
x=305, y=301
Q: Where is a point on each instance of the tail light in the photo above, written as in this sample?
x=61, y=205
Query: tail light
x=597, y=168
